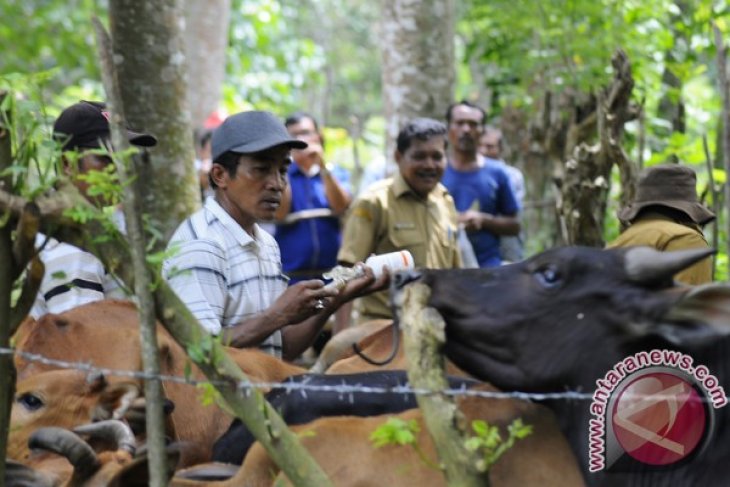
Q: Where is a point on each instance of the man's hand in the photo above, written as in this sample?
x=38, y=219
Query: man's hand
x=302, y=300
x=363, y=285
x=472, y=220
x=314, y=153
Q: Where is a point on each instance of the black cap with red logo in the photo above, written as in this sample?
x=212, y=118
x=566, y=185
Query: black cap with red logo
x=85, y=124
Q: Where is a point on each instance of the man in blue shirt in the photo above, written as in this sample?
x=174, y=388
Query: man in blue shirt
x=482, y=192
x=491, y=146
x=309, y=240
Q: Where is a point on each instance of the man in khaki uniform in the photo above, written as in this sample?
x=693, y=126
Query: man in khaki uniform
x=411, y=211
x=666, y=215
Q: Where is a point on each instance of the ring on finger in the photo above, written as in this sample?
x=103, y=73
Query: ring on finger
x=319, y=304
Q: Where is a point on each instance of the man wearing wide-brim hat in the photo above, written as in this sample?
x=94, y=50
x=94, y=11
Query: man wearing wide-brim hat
x=666, y=215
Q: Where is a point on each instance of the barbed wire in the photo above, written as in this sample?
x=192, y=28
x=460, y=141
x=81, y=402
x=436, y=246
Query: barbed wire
x=303, y=387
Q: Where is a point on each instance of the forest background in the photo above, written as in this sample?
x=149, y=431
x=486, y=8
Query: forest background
x=536, y=66
x=586, y=93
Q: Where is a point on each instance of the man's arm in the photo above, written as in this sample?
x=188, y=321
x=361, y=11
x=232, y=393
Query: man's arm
x=297, y=306
x=505, y=222
x=497, y=224
x=337, y=197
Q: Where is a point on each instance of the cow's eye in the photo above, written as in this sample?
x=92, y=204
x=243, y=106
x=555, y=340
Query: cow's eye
x=548, y=276
x=30, y=401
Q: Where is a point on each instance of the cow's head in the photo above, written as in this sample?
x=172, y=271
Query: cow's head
x=65, y=399
x=542, y=323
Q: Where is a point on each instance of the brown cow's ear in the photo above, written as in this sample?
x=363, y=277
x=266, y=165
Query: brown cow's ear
x=116, y=400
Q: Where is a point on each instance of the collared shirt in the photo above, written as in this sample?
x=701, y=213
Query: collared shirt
x=487, y=190
x=389, y=217
x=72, y=277
x=223, y=274
x=663, y=233
x=309, y=247
x=510, y=247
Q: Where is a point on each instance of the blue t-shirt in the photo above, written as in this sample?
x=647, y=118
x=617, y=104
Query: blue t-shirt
x=310, y=245
x=486, y=189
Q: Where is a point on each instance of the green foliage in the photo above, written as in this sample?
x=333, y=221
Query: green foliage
x=488, y=440
x=37, y=35
x=397, y=432
x=35, y=155
x=209, y=395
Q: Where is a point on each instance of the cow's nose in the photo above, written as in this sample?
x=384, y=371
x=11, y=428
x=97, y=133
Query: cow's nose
x=401, y=278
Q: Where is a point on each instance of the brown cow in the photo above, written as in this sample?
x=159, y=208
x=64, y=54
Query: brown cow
x=340, y=345
x=343, y=448
x=74, y=462
x=64, y=398
x=378, y=346
x=106, y=334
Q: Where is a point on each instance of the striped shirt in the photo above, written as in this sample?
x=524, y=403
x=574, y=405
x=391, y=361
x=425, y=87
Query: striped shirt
x=222, y=274
x=72, y=277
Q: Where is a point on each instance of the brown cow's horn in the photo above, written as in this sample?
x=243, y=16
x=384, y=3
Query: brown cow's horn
x=67, y=444
x=111, y=430
x=646, y=264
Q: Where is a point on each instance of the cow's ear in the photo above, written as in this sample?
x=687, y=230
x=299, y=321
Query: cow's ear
x=702, y=315
x=116, y=399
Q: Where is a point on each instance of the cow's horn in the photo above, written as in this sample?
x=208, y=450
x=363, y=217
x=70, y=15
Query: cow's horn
x=646, y=264
x=112, y=430
x=67, y=444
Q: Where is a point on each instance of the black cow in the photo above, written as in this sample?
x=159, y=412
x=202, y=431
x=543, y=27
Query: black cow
x=300, y=407
x=562, y=319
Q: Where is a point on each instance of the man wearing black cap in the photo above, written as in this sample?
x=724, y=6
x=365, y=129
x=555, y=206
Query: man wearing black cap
x=666, y=215
x=226, y=269
x=72, y=276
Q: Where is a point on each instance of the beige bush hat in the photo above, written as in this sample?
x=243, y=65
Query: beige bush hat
x=670, y=185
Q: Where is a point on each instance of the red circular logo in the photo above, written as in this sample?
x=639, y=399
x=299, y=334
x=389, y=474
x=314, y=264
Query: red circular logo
x=659, y=418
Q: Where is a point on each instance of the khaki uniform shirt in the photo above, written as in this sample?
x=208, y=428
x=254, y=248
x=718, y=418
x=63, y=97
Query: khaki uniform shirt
x=391, y=217
x=663, y=233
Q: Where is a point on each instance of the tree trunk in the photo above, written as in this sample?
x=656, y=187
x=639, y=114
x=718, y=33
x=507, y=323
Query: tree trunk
x=129, y=169
x=724, y=86
x=417, y=47
x=7, y=370
x=151, y=63
x=206, y=39
x=423, y=338
x=585, y=178
x=262, y=420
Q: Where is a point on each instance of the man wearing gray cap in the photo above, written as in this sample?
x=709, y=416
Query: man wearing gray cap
x=666, y=215
x=226, y=269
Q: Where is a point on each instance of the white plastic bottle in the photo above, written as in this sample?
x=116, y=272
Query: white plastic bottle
x=395, y=261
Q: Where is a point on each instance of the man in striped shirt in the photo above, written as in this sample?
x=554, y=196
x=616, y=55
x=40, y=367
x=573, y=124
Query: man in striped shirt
x=227, y=270
x=73, y=276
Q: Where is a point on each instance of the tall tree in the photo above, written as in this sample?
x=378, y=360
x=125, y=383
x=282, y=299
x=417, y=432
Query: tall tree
x=206, y=39
x=418, y=73
x=151, y=62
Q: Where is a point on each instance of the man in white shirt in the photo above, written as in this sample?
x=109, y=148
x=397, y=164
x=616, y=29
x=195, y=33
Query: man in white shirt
x=73, y=276
x=227, y=270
